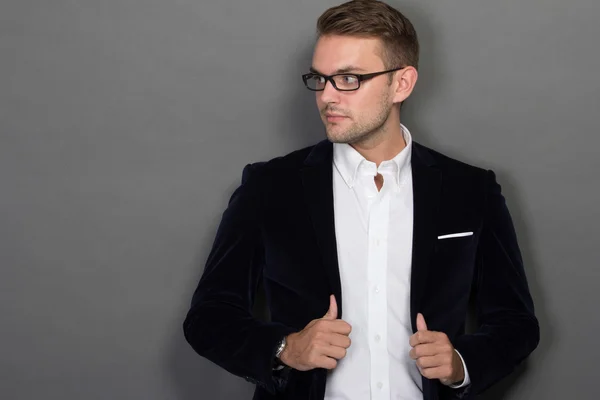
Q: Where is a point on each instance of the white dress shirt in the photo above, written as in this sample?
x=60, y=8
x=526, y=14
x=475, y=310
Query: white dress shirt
x=374, y=242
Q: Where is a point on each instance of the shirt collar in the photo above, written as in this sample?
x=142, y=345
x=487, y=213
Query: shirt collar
x=347, y=161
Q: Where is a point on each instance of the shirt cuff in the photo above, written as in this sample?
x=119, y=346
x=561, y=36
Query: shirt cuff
x=467, y=380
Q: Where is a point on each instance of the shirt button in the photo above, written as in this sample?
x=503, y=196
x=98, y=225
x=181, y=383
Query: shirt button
x=376, y=289
x=379, y=385
x=377, y=338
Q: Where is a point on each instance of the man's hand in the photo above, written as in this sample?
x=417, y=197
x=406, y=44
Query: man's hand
x=435, y=355
x=320, y=344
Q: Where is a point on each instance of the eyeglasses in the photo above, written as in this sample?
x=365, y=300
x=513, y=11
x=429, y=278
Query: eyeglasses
x=342, y=82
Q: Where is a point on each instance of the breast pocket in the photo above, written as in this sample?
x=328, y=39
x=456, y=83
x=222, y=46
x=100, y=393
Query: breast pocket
x=453, y=263
x=454, y=241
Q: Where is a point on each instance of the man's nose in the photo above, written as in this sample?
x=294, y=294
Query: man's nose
x=330, y=94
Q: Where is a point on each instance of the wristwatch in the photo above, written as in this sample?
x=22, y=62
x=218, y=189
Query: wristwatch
x=280, y=348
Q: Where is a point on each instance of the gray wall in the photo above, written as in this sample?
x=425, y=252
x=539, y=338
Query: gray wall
x=124, y=127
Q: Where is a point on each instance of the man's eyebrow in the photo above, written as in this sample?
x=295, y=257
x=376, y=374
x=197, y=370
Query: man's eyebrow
x=349, y=68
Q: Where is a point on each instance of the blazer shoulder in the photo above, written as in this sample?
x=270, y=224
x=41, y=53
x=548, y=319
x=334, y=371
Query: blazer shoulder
x=446, y=163
x=287, y=163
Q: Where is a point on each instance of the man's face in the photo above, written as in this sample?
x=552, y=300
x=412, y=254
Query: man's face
x=353, y=116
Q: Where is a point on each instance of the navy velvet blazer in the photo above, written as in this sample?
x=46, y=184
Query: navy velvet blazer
x=278, y=229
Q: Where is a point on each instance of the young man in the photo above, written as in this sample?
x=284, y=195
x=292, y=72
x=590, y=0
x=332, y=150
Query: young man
x=401, y=235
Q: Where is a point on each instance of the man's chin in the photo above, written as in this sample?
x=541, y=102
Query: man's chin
x=338, y=139
x=335, y=133
x=345, y=137
x=335, y=137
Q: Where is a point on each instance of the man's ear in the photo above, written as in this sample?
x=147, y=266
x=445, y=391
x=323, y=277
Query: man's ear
x=404, y=83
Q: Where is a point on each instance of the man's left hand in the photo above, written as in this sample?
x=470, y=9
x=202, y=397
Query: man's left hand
x=435, y=355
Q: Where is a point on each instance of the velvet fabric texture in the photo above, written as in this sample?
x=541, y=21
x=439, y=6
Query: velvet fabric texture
x=279, y=229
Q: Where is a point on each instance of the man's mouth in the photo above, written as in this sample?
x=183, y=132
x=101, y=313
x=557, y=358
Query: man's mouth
x=332, y=117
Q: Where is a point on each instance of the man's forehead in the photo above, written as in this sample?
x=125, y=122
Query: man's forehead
x=339, y=54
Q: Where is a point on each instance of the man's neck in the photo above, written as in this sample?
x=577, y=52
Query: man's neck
x=383, y=145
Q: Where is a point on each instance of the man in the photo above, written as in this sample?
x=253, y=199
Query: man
x=401, y=235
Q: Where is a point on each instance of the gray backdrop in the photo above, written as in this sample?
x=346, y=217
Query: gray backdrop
x=124, y=127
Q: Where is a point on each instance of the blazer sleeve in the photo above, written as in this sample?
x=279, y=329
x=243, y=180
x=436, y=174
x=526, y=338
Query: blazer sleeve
x=508, y=330
x=220, y=325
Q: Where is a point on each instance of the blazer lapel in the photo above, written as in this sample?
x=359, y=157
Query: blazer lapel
x=426, y=197
x=317, y=182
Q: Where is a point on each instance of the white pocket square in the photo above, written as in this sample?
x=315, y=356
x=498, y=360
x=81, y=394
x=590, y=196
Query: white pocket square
x=453, y=235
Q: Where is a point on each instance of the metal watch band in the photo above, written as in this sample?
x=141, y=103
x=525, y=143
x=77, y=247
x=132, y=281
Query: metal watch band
x=280, y=348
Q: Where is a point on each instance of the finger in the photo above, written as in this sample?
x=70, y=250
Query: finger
x=425, y=350
x=421, y=337
x=443, y=372
x=334, y=352
x=341, y=327
x=326, y=362
x=421, y=325
x=433, y=361
x=335, y=339
x=333, y=310
x=334, y=326
x=431, y=349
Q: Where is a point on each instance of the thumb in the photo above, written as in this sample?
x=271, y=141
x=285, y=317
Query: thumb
x=421, y=325
x=333, y=310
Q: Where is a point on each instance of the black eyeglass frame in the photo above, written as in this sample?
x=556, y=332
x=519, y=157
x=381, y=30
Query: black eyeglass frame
x=360, y=78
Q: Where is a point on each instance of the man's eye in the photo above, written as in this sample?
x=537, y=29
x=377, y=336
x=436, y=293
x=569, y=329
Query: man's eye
x=318, y=79
x=349, y=79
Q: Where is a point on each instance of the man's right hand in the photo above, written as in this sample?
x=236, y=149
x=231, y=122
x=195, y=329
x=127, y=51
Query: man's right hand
x=320, y=344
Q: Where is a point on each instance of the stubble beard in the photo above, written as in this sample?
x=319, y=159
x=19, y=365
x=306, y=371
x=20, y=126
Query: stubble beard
x=359, y=131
